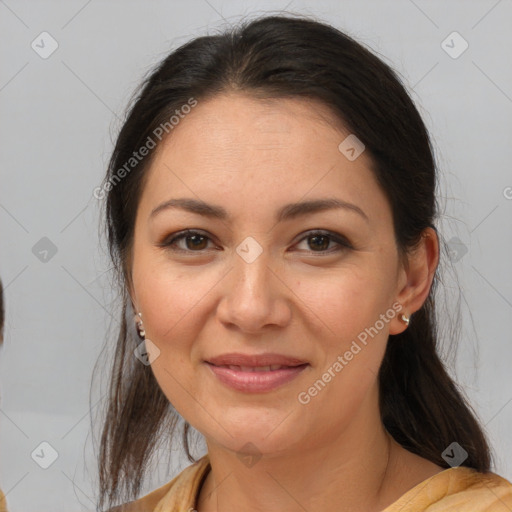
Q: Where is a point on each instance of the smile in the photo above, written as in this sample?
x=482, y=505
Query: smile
x=255, y=379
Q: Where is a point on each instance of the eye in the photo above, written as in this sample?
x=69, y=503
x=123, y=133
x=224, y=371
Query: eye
x=319, y=242
x=193, y=241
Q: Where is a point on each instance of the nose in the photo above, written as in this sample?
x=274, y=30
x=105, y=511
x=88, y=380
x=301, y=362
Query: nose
x=254, y=296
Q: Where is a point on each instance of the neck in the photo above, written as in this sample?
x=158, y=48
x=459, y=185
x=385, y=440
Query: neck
x=353, y=470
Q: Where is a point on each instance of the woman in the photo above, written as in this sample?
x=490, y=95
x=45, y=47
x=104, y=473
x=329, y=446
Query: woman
x=270, y=207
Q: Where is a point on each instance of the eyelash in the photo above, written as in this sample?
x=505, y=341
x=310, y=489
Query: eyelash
x=169, y=242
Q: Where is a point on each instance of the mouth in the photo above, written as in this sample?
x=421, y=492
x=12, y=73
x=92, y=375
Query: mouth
x=255, y=379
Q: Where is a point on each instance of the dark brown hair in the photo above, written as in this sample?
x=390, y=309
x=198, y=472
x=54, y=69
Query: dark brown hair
x=272, y=57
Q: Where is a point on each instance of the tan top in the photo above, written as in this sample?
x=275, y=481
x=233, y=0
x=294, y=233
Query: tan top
x=3, y=503
x=458, y=489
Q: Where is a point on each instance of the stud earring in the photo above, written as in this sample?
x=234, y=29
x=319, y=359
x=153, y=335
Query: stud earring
x=404, y=319
x=140, y=326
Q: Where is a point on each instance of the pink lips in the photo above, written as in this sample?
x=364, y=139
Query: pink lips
x=255, y=373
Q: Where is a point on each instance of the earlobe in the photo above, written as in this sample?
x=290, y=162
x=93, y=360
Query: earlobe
x=405, y=319
x=400, y=324
x=137, y=318
x=140, y=325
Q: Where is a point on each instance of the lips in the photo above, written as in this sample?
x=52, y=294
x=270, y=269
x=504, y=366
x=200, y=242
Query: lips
x=255, y=373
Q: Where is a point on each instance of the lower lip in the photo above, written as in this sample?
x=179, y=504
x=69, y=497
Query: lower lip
x=256, y=382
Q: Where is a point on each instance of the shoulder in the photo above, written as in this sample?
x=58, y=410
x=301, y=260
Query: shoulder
x=181, y=491
x=458, y=489
x=483, y=491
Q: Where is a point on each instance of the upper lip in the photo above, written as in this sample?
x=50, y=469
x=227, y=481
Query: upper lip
x=237, y=359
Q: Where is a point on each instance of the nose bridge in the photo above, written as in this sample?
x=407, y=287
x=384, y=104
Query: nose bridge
x=252, y=297
x=251, y=274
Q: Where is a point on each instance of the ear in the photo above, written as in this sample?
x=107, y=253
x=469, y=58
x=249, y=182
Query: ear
x=415, y=277
x=134, y=303
x=132, y=295
x=128, y=283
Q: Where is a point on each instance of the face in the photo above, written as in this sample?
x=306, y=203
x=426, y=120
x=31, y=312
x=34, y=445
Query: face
x=265, y=277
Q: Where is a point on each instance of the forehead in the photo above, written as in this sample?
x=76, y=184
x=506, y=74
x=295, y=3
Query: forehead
x=236, y=149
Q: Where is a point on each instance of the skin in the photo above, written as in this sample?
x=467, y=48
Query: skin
x=299, y=298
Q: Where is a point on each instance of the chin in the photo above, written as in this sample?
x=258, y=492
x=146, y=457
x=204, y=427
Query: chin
x=262, y=432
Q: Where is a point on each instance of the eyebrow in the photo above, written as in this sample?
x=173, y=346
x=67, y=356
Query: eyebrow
x=287, y=212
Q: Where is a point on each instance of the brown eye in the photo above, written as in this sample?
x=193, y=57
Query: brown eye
x=187, y=241
x=196, y=241
x=319, y=242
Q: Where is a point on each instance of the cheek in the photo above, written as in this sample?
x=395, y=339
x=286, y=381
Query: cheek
x=351, y=337
x=170, y=301
x=346, y=300
x=165, y=301
x=346, y=307
x=173, y=301
x=341, y=302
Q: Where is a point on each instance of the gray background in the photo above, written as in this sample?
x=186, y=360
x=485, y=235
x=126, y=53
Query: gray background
x=58, y=118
